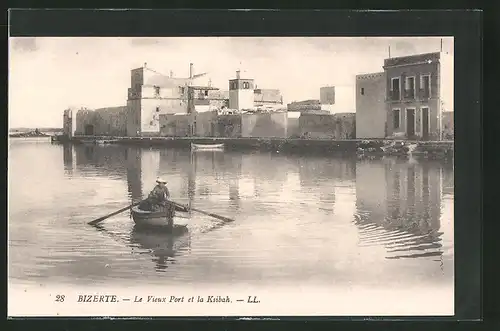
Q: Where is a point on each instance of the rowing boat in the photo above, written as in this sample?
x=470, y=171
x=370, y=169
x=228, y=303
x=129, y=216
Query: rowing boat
x=206, y=147
x=158, y=219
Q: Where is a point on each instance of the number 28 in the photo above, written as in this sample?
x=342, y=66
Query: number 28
x=59, y=298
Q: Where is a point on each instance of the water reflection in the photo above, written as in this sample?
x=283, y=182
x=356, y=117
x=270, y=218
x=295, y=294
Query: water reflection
x=290, y=211
x=212, y=176
x=106, y=161
x=134, y=171
x=399, y=207
x=163, y=246
x=69, y=159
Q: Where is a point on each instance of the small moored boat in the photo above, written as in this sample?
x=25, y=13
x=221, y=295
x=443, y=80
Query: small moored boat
x=206, y=147
x=158, y=219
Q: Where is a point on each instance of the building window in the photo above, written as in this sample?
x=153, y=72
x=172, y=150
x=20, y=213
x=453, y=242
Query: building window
x=395, y=89
x=157, y=109
x=410, y=87
x=396, y=116
x=425, y=86
x=206, y=93
x=246, y=85
x=157, y=91
x=362, y=91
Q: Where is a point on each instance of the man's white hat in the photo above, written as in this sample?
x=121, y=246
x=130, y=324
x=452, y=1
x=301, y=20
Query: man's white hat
x=161, y=180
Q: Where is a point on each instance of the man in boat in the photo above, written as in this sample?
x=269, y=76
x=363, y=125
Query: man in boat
x=160, y=193
x=158, y=199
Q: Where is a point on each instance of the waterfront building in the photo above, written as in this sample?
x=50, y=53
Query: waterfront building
x=205, y=98
x=418, y=89
x=327, y=95
x=241, y=93
x=337, y=99
x=69, y=122
x=152, y=94
x=448, y=125
x=159, y=105
x=371, y=114
x=329, y=102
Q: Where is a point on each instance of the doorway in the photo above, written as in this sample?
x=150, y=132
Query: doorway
x=89, y=130
x=425, y=123
x=410, y=122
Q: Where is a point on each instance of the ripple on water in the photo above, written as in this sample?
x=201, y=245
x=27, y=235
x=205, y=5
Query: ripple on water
x=312, y=220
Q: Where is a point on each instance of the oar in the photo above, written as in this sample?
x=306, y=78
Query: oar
x=222, y=218
x=100, y=219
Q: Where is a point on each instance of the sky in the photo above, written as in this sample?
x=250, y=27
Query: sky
x=48, y=75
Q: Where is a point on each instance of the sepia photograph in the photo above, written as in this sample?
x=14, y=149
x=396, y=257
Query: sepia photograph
x=231, y=176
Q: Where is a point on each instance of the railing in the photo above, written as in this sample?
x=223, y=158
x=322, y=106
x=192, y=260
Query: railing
x=424, y=94
x=409, y=94
x=394, y=95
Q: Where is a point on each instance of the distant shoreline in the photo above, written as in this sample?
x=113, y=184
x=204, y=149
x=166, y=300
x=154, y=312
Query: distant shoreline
x=26, y=130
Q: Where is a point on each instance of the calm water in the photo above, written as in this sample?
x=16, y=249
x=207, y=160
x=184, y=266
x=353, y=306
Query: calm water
x=314, y=220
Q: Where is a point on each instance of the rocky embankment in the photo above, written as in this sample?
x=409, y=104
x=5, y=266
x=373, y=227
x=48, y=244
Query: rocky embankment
x=426, y=149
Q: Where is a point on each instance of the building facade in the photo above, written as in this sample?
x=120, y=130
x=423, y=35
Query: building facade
x=109, y=121
x=418, y=87
x=448, y=125
x=338, y=126
x=371, y=111
x=267, y=98
x=69, y=123
x=241, y=93
x=327, y=95
x=205, y=98
x=160, y=105
x=151, y=94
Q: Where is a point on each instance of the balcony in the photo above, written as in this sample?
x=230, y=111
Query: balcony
x=394, y=95
x=424, y=94
x=409, y=94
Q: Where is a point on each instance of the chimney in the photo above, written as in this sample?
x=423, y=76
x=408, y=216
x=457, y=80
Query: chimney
x=191, y=73
x=145, y=64
x=237, y=74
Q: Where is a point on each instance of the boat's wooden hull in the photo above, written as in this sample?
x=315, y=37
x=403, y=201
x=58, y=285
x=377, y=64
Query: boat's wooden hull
x=158, y=219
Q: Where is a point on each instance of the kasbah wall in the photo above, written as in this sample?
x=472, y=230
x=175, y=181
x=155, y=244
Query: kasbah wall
x=205, y=124
x=271, y=125
x=266, y=125
x=328, y=126
x=111, y=121
x=173, y=125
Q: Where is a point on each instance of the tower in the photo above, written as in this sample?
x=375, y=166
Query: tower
x=241, y=93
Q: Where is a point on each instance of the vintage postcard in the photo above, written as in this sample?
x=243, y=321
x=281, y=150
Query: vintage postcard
x=231, y=176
